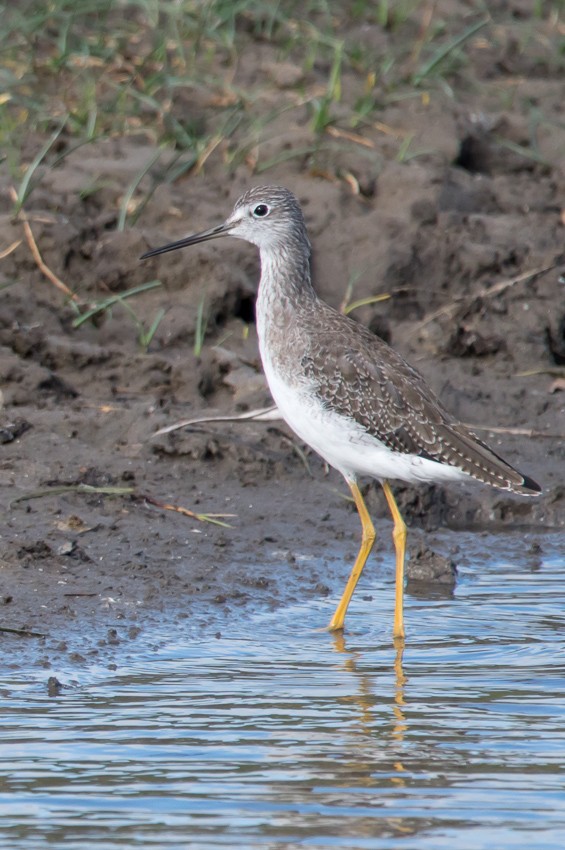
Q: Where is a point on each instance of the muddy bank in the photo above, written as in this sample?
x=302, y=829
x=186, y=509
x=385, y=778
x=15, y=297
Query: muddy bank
x=467, y=240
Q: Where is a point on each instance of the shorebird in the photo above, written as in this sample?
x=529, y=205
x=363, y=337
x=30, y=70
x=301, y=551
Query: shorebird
x=342, y=390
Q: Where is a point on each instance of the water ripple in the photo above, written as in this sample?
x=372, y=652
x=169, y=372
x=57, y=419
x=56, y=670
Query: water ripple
x=277, y=735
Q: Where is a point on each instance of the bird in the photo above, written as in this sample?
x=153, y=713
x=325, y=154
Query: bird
x=344, y=391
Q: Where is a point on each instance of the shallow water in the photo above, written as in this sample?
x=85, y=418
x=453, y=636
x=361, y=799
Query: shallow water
x=276, y=735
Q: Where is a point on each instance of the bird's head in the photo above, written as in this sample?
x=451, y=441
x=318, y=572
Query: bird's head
x=268, y=216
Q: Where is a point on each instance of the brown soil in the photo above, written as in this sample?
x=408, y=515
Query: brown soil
x=439, y=232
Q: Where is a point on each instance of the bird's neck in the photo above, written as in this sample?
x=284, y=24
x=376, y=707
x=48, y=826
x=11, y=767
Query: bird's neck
x=285, y=299
x=285, y=276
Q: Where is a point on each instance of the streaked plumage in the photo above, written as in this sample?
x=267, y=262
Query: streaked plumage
x=345, y=392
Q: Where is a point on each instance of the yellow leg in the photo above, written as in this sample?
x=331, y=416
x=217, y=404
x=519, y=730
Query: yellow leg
x=367, y=540
x=399, y=537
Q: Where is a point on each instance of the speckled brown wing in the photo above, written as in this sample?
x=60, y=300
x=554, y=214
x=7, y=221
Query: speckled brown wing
x=362, y=378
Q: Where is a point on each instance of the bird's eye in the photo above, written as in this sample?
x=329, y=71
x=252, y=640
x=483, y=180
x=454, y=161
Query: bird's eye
x=261, y=210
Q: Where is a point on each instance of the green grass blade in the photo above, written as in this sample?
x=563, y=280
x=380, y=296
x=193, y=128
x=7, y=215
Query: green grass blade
x=25, y=188
x=115, y=299
x=128, y=194
x=443, y=52
x=363, y=302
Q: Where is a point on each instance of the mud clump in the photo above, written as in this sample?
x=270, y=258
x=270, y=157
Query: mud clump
x=430, y=569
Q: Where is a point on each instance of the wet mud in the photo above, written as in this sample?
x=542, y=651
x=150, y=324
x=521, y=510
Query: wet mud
x=466, y=239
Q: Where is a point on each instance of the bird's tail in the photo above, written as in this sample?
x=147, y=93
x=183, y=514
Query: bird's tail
x=464, y=449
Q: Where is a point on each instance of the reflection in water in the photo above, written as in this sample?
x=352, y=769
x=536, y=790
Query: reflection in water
x=400, y=681
x=364, y=698
x=278, y=736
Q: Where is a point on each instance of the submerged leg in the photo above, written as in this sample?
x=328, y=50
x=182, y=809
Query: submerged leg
x=399, y=537
x=367, y=540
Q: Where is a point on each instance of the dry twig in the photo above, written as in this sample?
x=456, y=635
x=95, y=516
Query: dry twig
x=262, y=414
x=56, y=281
x=519, y=432
x=484, y=292
x=7, y=251
x=21, y=632
x=164, y=506
x=89, y=489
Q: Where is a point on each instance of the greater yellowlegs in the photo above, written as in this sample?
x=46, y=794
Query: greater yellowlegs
x=344, y=391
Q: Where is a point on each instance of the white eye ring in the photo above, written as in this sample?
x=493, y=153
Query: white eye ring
x=261, y=211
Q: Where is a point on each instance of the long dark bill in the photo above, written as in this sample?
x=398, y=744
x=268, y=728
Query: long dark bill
x=213, y=233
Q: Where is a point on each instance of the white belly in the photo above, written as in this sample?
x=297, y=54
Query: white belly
x=346, y=445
